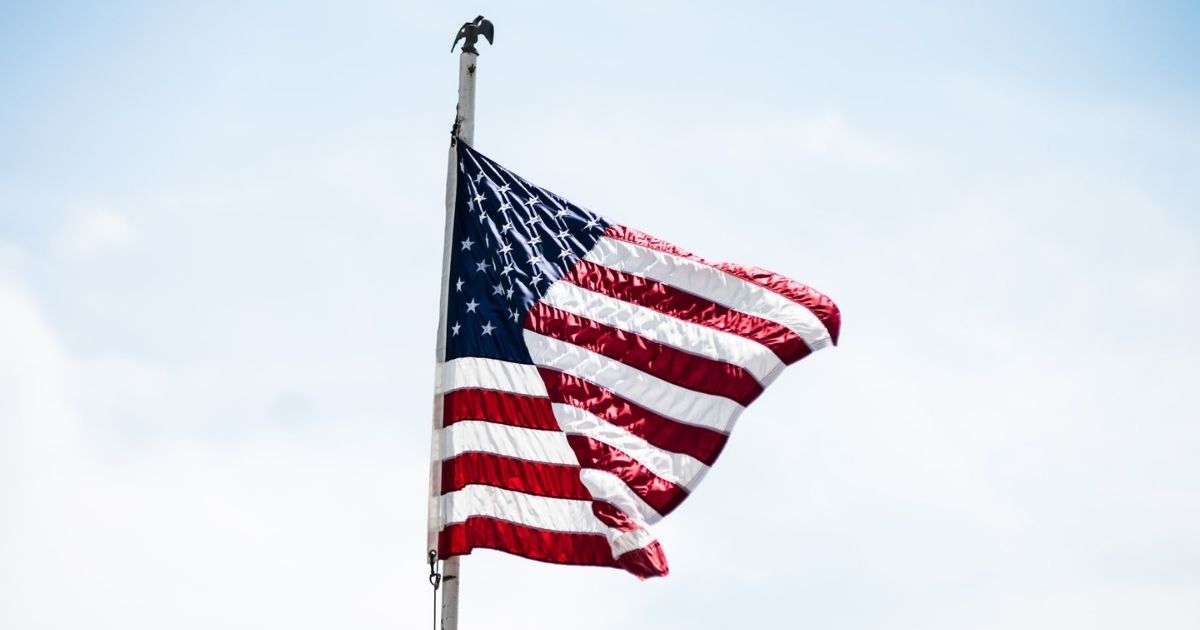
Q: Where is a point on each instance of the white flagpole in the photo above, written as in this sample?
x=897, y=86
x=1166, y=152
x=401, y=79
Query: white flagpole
x=464, y=130
x=465, y=124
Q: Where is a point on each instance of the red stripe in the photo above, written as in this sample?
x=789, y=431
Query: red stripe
x=521, y=540
x=802, y=294
x=668, y=300
x=546, y=480
x=699, y=442
x=481, y=532
x=685, y=369
x=518, y=410
x=647, y=562
x=660, y=494
x=612, y=516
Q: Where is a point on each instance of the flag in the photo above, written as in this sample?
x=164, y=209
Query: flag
x=591, y=374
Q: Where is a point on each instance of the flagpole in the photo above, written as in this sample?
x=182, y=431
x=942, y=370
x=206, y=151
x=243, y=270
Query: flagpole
x=463, y=130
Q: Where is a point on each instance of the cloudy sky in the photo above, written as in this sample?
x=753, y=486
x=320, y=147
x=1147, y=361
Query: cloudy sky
x=219, y=244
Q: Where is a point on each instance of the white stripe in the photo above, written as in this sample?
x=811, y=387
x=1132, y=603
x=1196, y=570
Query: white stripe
x=705, y=341
x=556, y=515
x=477, y=372
x=653, y=393
x=477, y=436
x=712, y=284
x=625, y=542
x=678, y=468
x=562, y=515
x=605, y=486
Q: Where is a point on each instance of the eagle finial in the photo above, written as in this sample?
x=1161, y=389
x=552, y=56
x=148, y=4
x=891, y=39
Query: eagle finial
x=470, y=33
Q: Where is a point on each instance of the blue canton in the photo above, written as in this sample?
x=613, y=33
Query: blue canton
x=512, y=240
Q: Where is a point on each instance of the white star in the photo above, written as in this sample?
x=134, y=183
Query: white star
x=532, y=200
x=507, y=269
x=503, y=189
x=592, y=223
x=512, y=314
x=564, y=253
x=498, y=289
x=561, y=213
x=509, y=295
x=536, y=279
x=472, y=305
x=479, y=177
x=488, y=328
x=458, y=285
x=480, y=198
x=481, y=266
x=505, y=248
x=468, y=244
x=533, y=218
x=564, y=234
x=483, y=217
x=454, y=329
x=506, y=206
x=537, y=238
x=536, y=258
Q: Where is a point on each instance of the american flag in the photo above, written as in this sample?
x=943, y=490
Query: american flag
x=591, y=373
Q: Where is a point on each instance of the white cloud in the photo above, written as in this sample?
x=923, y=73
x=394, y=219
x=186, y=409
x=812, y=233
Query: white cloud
x=94, y=230
x=34, y=411
x=300, y=529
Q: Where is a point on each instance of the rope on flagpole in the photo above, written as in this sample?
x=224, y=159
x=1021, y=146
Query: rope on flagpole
x=435, y=580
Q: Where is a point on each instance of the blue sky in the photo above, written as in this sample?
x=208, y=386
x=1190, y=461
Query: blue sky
x=219, y=248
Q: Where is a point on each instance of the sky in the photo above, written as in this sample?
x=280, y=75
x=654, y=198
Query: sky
x=219, y=256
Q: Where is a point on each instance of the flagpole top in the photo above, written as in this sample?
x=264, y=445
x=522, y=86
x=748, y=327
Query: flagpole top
x=470, y=32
